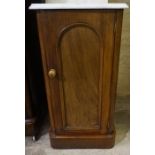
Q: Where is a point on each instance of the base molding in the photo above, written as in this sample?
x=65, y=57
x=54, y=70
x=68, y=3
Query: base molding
x=82, y=141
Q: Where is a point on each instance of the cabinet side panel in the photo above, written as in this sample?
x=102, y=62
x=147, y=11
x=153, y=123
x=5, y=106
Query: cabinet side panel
x=115, y=67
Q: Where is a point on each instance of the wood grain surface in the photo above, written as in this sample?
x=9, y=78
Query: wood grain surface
x=83, y=48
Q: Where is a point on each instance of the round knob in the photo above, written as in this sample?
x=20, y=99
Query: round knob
x=52, y=73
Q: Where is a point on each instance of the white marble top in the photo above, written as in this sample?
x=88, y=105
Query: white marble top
x=77, y=5
x=76, y=1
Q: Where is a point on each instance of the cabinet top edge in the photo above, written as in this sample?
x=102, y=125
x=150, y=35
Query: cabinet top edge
x=54, y=6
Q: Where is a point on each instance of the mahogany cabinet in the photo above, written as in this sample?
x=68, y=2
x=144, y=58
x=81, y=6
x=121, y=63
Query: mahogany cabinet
x=80, y=56
x=29, y=117
x=35, y=97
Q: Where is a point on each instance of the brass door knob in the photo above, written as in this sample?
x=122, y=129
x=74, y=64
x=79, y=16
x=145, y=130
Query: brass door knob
x=52, y=73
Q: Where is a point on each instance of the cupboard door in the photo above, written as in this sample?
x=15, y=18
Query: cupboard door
x=80, y=73
x=78, y=47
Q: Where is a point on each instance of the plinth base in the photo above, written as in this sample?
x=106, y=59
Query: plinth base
x=82, y=141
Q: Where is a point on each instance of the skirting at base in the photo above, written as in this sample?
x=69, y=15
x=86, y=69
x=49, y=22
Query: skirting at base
x=82, y=141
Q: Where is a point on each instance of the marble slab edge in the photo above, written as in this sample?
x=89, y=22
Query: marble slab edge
x=54, y=6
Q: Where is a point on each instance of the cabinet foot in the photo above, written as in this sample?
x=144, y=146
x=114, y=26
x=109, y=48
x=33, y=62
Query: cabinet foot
x=34, y=138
